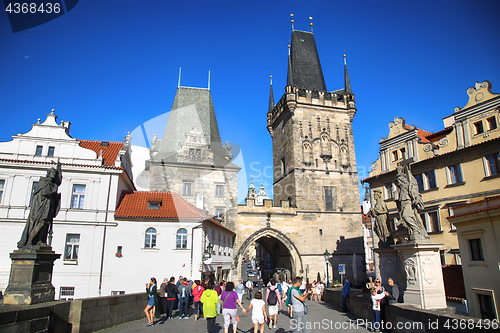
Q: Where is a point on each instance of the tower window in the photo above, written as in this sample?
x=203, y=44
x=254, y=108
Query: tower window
x=320, y=232
x=283, y=166
x=187, y=188
x=328, y=199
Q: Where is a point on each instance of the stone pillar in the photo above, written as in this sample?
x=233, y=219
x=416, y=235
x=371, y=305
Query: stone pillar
x=30, y=280
x=424, y=275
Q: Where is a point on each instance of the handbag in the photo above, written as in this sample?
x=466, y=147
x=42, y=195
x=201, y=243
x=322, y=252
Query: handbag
x=221, y=306
x=306, y=309
x=237, y=318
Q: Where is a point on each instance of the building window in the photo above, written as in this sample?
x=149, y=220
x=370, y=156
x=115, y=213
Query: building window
x=198, y=152
x=182, y=239
x=478, y=127
x=455, y=174
x=434, y=222
x=50, y=153
x=493, y=165
x=33, y=189
x=78, y=197
x=430, y=177
x=191, y=151
x=420, y=182
x=38, y=151
x=2, y=186
x=283, y=166
x=486, y=306
x=320, y=232
x=328, y=199
x=72, y=247
x=492, y=123
x=116, y=293
x=150, y=238
x=218, y=213
x=388, y=194
x=403, y=153
x=66, y=293
x=187, y=188
x=395, y=156
x=219, y=190
x=476, y=249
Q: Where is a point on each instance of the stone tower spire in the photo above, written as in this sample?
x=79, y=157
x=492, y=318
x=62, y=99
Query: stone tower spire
x=271, y=96
x=347, y=82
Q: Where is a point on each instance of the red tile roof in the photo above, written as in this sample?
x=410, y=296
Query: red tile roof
x=475, y=211
x=478, y=202
x=109, y=149
x=172, y=206
x=454, y=282
x=423, y=135
x=438, y=135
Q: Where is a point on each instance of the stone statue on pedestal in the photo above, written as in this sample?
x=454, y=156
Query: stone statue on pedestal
x=45, y=206
x=30, y=280
x=409, y=201
x=380, y=212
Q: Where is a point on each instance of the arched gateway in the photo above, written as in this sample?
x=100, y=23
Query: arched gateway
x=281, y=249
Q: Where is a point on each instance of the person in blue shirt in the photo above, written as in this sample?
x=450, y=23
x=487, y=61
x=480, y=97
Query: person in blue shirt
x=346, y=290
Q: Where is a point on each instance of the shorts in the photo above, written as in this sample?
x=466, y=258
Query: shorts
x=258, y=320
x=273, y=309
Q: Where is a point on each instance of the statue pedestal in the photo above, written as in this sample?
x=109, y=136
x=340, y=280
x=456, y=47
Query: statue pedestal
x=30, y=280
x=424, y=275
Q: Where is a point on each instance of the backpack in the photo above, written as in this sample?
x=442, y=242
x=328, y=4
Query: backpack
x=183, y=294
x=273, y=297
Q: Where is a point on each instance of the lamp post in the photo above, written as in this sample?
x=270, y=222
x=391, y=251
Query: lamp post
x=209, y=250
x=327, y=256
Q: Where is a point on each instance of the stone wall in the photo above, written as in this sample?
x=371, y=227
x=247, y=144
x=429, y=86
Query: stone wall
x=81, y=315
x=406, y=317
x=93, y=314
x=43, y=317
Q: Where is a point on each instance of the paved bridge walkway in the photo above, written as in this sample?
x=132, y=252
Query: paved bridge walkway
x=323, y=317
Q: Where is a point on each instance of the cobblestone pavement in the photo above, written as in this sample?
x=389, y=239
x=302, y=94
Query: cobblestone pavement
x=323, y=317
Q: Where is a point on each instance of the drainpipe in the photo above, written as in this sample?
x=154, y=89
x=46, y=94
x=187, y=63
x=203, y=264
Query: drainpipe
x=104, y=236
x=192, y=248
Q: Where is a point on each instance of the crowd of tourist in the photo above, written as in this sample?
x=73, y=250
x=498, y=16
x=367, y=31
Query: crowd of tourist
x=211, y=298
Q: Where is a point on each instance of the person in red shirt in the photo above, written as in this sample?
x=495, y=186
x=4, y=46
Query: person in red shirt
x=197, y=292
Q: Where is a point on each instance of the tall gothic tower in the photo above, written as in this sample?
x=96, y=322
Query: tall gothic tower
x=316, y=195
x=311, y=128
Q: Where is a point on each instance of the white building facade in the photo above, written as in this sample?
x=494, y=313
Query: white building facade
x=103, y=254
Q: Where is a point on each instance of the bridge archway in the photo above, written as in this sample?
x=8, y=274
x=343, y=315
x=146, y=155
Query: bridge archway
x=281, y=249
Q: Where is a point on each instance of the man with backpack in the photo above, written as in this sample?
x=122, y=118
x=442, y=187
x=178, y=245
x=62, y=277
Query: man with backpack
x=273, y=299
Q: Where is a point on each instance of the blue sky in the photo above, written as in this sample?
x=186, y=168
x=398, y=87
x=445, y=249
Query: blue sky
x=111, y=66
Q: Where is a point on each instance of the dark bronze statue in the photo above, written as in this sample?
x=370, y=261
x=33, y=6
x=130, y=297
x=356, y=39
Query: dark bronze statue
x=45, y=206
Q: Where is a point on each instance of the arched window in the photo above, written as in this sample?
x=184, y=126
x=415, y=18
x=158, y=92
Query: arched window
x=150, y=238
x=182, y=239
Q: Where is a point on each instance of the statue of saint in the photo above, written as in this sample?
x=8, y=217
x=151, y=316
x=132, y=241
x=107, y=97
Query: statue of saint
x=380, y=213
x=45, y=206
x=409, y=201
